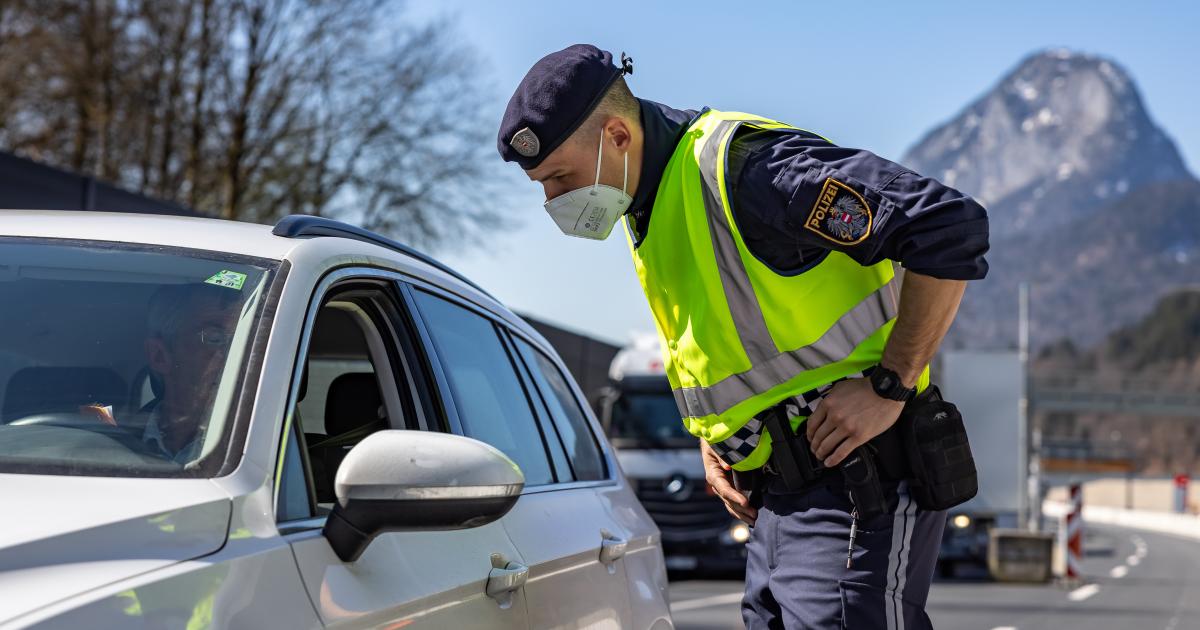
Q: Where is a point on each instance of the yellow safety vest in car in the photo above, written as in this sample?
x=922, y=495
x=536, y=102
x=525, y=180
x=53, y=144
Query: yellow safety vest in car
x=739, y=337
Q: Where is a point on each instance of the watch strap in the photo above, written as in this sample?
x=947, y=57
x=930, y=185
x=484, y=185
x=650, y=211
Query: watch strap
x=887, y=384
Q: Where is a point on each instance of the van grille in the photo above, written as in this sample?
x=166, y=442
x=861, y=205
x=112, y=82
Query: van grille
x=690, y=514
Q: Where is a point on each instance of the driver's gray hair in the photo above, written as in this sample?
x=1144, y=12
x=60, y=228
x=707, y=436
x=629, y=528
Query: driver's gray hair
x=171, y=304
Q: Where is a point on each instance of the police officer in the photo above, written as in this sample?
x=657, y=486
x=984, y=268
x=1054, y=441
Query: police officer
x=766, y=254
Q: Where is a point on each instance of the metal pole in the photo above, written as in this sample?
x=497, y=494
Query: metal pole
x=1129, y=490
x=1023, y=407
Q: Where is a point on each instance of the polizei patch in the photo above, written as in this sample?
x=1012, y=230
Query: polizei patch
x=840, y=214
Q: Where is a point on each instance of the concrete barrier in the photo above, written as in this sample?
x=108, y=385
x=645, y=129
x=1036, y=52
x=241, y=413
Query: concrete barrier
x=1015, y=555
x=1185, y=525
x=1152, y=494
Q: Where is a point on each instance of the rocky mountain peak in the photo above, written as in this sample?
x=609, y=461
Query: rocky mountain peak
x=1062, y=129
x=1089, y=201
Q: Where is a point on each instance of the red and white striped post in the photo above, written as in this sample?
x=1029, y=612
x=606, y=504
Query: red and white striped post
x=1075, y=532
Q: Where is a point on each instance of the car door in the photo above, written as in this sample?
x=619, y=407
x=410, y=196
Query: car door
x=358, y=334
x=570, y=543
x=592, y=470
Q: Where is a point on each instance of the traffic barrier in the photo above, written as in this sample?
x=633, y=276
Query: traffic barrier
x=1074, y=532
x=1016, y=555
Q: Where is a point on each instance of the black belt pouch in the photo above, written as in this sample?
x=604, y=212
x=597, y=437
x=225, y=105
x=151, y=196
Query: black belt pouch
x=939, y=453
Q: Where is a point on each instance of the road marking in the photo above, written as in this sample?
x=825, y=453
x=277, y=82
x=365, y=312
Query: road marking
x=705, y=602
x=1119, y=572
x=1005, y=628
x=1083, y=592
x=1133, y=560
x=1140, y=543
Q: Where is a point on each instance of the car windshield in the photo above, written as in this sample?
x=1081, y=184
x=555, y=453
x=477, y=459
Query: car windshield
x=121, y=360
x=648, y=419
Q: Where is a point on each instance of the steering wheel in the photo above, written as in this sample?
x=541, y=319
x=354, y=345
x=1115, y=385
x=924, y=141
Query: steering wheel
x=127, y=436
x=69, y=419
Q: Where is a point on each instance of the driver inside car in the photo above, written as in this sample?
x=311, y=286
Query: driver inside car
x=189, y=327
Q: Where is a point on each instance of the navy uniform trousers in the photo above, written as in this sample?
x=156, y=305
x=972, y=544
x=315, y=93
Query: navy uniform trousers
x=796, y=575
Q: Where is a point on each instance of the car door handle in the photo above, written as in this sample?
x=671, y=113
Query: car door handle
x=612, y=549
x=503, y=581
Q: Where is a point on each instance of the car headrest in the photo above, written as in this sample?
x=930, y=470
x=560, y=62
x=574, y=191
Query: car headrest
x=35, y=390
x=353, y=401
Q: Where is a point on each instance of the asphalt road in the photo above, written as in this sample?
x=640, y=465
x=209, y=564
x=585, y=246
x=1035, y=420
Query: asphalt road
x=1132, y=581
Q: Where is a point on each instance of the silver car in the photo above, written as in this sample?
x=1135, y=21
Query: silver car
x=216, y=424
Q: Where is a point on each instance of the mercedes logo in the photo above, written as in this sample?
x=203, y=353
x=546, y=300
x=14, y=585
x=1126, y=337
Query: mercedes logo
x=678, y=487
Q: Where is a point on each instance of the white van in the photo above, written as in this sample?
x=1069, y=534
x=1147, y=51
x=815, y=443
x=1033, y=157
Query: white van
x=662, y=461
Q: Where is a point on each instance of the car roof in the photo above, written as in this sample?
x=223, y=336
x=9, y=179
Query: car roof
x=236, y=237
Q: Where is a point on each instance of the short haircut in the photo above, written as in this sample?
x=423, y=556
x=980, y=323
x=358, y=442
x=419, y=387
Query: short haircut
x=617, y=101
x=171, y=304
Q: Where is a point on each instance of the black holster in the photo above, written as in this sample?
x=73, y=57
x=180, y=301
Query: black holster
x=753, y=484
x=791, y=457
x=800, y=468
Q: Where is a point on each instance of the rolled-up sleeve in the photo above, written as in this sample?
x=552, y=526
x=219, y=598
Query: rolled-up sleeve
x=933, y=230
x=870, y=208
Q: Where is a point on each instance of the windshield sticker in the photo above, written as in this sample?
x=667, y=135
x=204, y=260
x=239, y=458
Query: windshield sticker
x=103, y=413
x=228, y=279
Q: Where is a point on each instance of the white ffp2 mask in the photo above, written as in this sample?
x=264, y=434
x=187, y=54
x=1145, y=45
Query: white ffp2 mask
x=591, y=211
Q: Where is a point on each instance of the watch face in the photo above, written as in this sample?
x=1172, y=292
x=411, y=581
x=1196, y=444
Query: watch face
x=886, y=382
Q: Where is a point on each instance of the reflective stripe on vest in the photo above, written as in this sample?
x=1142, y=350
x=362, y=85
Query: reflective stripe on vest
x=835, y=345
x=729, y=359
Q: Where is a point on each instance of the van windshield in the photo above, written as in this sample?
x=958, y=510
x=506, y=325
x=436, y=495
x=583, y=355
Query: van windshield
x=648, y=419
x=121, y=360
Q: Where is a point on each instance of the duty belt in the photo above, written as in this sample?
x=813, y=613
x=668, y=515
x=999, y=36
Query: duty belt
x=793, y=460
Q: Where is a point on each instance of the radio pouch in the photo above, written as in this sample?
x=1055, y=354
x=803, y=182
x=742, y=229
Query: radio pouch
x=939, y=454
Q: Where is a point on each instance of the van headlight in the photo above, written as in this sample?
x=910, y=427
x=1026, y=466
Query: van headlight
x=961, y=521
x=739, y=532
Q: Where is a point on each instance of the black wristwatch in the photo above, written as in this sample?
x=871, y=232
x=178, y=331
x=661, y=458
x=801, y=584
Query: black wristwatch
x=888, y=385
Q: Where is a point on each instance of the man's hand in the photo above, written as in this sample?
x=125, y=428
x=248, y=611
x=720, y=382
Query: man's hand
x=852, y=413
x=716, y=473
x=849, y=415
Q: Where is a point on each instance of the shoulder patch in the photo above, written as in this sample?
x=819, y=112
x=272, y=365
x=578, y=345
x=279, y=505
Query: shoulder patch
x=840, y=215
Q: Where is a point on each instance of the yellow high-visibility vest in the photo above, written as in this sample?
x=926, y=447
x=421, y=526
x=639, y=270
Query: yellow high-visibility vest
x=737, y=336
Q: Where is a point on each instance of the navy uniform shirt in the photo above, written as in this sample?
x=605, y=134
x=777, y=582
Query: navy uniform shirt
x=926, y=226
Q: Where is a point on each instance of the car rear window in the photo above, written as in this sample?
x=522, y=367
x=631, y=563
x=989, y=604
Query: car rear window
x=122, y=360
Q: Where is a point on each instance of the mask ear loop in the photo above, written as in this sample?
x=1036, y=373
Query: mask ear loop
x=599, y=156
x=625, y=180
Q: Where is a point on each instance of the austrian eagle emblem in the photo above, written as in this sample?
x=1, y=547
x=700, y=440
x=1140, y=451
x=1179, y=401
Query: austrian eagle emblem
x=840, y=214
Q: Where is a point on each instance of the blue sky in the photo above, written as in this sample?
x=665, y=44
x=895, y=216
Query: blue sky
x=874, y=75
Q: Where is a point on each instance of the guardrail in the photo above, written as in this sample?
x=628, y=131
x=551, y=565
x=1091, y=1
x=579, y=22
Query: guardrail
x=1186, y=525
x=1115, y=394
x=1082, y=456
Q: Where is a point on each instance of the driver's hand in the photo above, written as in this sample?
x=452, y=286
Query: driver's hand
x=717, y=474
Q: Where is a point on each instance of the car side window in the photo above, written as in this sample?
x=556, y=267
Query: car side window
x=295, y=502
x=347, y=391
x=492, y=405
x=566, y=412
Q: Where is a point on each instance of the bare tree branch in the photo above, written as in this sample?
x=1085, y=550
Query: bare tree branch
x=250, y=109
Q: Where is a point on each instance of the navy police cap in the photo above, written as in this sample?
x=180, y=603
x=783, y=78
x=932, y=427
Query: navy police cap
x=553, y=99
